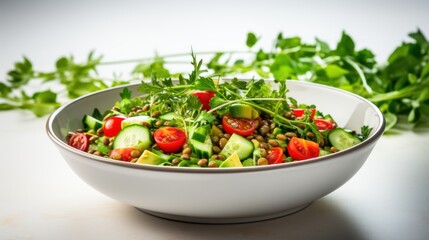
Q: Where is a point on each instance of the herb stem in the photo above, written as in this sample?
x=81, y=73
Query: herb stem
x=360, y=73
x=166, y=56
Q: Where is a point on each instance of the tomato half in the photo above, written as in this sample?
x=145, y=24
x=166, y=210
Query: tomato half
x=275, y=155
x=324, y=124
x=169, y=139
x=79, y=141
x=112, y=126
x=301, y=149
x=240, y=126
x=204, y=97
x=125, y=153
x=299, y=112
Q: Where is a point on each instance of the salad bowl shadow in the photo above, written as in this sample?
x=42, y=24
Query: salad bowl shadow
x=227, y=195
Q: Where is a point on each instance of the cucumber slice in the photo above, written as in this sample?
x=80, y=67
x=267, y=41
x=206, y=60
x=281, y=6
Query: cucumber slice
x=169, y=116
x=202, y=149
x=341, y=139
x=91, y=123
x=133, y=136
x=239, y=144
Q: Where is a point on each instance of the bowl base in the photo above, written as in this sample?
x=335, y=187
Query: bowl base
x=235, y=220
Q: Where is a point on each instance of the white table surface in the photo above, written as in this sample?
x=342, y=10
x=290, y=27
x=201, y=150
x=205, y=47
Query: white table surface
x=41, y=198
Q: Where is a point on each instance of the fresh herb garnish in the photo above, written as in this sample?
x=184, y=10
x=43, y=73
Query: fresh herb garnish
x=399, y=87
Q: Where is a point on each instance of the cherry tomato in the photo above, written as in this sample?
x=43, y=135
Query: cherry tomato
x=299, y=112
x=301, y=149
x=204, y=97
x=169, y=139
x=112, y=126
x=275, y=155
x=124, y=153
x=79, y=141
x=240, y=126
x=324, y=124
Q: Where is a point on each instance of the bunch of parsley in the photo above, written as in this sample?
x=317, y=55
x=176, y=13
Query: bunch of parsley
x=399, y=86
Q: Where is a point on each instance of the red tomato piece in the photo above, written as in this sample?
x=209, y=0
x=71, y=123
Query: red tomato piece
x=240, y=126
x=299, y=112
x=324, y=124
x=275, y=155
x=125, y=154
x=79, y=141
x=301, y=149
x=169, y=139
x=112, y=126
x=204, y=97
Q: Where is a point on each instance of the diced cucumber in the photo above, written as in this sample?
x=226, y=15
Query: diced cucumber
x=323, y=152
x=202, y=149
x=91, y=123
x=201, y=133
x=239, y=144
x=171, y=116
x=98, y=145
x=341, y=139
x=133, y=136
x=137, y=120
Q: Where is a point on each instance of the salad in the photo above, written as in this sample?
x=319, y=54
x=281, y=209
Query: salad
x=197, y=121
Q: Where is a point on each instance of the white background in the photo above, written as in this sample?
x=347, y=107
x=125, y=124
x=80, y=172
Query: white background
x=40, y=198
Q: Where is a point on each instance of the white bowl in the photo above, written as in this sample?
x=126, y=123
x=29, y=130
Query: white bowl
x=229, y=195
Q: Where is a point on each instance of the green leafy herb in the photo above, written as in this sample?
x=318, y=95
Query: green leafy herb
x=399, y=86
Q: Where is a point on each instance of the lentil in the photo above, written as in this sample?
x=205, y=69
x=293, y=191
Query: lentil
x=263, y=152
x=262, y=161
x=156, y=114
x=175, y=161
x=310, y=134
x=217, y=149
x=264, y=145
x=213, y=164
x=281, y=137
x=222, y=142
x=202, y=162
x=186, y=150
x=135, y=153
x=290, y=134
x=273, y=143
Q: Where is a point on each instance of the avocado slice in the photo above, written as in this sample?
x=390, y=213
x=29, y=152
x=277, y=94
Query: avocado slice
x=232, y=161
x=149, y=157
x=243, y=111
